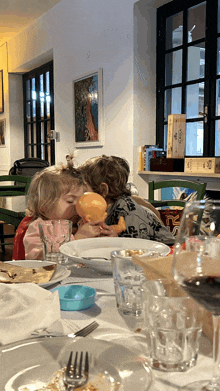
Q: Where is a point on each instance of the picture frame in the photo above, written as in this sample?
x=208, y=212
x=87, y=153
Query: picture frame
x=88, y=110
x=1, y=93
x=2, y=133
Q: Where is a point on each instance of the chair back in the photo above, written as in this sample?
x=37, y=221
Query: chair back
x=28, y=166
x=12, y=190
x=170, y=216
x=200, y=188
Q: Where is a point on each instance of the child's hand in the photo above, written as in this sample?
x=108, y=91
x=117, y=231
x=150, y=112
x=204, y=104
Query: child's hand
x=107, y=230
x=89, y=230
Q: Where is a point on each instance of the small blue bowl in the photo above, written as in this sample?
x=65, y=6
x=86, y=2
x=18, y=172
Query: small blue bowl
x=75, y=297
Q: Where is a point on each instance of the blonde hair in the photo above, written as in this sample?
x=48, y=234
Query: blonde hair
x=48, y=185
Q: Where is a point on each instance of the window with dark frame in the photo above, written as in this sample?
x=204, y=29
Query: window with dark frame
x=39, y=113
x=188, y=73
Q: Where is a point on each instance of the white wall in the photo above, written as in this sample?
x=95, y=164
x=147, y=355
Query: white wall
x=82, y=36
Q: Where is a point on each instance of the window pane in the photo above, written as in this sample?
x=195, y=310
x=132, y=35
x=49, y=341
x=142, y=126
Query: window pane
x=29, y=151
x=173, y=67
x=174, y=32
x=217, y=138
x=34, y=109
x=48, y=128
x=194, y=139
x=194, y=100
x=34, y=133
x=49, y=153
x=41, y=96
x=218, y=16
x=28, y=90
x=218, y=97
x=165, y=137
x=48, y=94
x=42, y=82
x=28, y=111
x=35, y=151
x=197, y=22
x=33, y=89
x=196, y=61
x=218, y=56
x=172, y=102
x=43, y=139
x=29, y=134
x=42, y=108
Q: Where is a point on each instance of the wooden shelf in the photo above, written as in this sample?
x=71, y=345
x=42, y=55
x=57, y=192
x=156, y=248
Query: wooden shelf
x=212, y=180
x=183, y=174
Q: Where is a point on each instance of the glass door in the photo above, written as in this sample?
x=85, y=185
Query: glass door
x=39, y=113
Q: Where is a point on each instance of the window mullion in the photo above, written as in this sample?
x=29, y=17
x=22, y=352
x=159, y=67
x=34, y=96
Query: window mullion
x=184, y=61
x=160, y=70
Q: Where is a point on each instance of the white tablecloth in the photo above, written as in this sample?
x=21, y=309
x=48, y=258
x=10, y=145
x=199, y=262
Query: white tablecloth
x=114, y=328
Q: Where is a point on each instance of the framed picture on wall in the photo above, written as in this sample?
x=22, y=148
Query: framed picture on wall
x=1, y=93
x=88, y=110
x=2, y=133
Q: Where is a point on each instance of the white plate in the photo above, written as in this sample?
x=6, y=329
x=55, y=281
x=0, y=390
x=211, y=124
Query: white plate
x=60, y=274
x=36, y=360
x=102, y=247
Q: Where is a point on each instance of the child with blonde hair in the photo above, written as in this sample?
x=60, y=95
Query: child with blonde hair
x=108, y=177
x=52, y=195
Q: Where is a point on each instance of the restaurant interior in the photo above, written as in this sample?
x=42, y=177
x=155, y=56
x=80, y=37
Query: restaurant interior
x=48, y=51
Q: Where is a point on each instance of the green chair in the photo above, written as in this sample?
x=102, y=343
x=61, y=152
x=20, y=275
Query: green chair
x=171, y=216
x=12, y=186
x=200, y=188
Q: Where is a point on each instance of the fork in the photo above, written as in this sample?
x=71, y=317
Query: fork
x=74, y=376
x=85, y=331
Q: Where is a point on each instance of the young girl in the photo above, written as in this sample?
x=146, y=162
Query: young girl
x=52, y=195
x=107, y=176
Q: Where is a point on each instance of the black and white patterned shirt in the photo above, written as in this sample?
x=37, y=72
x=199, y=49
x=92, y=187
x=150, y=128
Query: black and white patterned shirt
x=140, y=222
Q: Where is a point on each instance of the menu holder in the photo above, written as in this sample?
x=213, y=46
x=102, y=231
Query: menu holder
x=161, y=267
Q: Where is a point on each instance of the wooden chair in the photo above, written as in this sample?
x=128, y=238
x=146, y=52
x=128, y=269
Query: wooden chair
x=12, y=186
x=172, y=217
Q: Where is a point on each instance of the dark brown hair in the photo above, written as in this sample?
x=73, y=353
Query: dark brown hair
x=106, y=169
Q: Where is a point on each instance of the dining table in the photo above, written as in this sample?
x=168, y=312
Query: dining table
x=121, y=330
x=128, y=330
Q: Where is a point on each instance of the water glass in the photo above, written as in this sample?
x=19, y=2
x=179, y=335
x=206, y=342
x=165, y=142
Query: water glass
x=128, y=279
x=173, y=325
x=53, y=233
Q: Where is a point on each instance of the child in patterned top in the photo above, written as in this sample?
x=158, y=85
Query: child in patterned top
x=107, y=176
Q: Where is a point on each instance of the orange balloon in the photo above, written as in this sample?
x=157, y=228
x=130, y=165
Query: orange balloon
x=91, y=207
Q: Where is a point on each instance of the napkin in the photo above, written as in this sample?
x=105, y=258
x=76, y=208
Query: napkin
x=25, y=308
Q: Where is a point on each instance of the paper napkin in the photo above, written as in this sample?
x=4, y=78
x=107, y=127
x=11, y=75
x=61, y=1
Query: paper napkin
x=25, y=308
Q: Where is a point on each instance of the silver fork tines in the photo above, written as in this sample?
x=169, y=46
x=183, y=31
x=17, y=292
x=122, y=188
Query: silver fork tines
x=85, y=331
x=77, y=375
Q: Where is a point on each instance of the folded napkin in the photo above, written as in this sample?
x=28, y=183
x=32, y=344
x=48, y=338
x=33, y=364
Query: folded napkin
x=25, y=308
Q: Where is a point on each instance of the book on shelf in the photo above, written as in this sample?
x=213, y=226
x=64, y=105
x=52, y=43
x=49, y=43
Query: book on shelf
x=146, y=152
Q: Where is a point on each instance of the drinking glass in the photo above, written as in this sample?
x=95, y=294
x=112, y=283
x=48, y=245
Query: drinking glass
x=196, y=268
x=53, y=234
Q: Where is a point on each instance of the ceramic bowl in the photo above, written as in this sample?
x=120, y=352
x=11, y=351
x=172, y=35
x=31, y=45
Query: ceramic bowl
x=75, y=297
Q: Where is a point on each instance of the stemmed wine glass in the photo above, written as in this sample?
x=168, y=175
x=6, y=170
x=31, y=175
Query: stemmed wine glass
x=196, y=268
